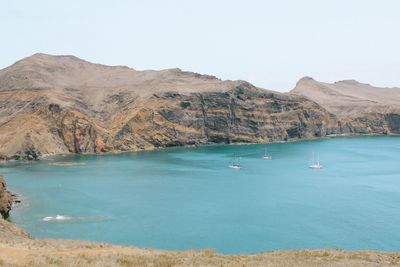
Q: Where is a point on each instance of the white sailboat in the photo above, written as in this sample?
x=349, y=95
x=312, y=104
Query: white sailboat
x=315, y=164
x=235, y=164
x=266, y=156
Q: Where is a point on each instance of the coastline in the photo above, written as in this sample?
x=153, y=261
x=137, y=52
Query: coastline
x=53, y=156
x=28, y=251
x=18, y=248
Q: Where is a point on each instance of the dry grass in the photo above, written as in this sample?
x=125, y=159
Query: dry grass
x=71, y=254
x=18, y=249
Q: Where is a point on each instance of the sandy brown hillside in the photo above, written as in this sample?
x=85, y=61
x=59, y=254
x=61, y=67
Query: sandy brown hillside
x=97, y=85
x=349, y=97
x=62, y=104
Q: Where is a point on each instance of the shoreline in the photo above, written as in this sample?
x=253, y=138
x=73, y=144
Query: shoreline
x=21, y=205
x=46, y=252
x=18, y=248
x=52, y=157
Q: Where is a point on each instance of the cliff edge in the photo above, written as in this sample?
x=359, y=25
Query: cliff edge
x=366, y=109
x=62, y=104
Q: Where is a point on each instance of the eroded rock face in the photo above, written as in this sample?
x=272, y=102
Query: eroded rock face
x=6, y=199
x=242, y=114
x=61, y=104
x=361, y=108
x=393, y=121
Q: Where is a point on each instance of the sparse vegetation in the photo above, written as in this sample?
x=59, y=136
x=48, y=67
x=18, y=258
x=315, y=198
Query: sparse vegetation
x=18, y=249
x=54, y=261
x=125, y=262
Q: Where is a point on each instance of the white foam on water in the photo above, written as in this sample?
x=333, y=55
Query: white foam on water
x=57, y=218
x=64, y=218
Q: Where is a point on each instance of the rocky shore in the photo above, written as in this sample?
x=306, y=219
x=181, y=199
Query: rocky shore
x=7, y=199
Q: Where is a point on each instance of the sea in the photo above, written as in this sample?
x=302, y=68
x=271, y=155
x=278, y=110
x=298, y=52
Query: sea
x=189, y=198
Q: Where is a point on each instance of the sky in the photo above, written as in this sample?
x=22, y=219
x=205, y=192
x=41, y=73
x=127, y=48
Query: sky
x=271, y=44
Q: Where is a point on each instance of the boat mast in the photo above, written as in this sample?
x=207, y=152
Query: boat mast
x=313, y=158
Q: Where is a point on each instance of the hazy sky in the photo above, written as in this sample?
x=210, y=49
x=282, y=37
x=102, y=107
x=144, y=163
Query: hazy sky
x=268, y=43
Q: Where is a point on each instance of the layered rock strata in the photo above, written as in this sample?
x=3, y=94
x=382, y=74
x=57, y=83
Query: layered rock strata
x=61, y=104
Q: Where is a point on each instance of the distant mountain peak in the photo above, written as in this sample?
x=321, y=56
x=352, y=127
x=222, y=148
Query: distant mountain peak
x=43, y=56
x=305, y=80
x=46, y=59
x=42, y=70
x=348, y=81
x=352, y=83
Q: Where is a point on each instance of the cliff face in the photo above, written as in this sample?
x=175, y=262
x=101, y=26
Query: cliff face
x=362, y=108
x=6, y=199
x=241, y=114
x=62, y=104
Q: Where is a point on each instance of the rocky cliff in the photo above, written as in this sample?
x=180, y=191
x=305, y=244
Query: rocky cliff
x=62, y=104
x=364, y=109
x=6, y=199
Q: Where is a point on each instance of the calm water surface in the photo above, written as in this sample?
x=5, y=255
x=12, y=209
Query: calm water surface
x=187, y=198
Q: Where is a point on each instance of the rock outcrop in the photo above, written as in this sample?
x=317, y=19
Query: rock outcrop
x=62, y=104
x=6, y=199
x=361, y=108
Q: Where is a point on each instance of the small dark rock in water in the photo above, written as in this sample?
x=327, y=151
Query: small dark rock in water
x=16, y=198
x=32, y=154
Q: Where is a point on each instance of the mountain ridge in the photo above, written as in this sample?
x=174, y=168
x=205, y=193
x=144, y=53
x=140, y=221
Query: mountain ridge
x=340, y=96
x=62, y=104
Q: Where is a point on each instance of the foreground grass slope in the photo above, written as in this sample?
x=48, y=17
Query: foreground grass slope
x=17, y=248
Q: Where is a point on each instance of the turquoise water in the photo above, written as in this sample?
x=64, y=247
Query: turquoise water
x=187, y=198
